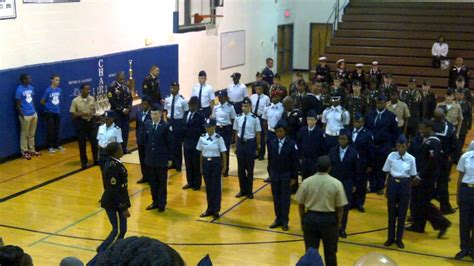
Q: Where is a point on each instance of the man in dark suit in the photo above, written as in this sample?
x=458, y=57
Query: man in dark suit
x=362, y=141
x=158, y=142
x=141, y=119
x=193, y=129
x=311, y=145
x=344, y=160
x=428, y=101
x=383, y=125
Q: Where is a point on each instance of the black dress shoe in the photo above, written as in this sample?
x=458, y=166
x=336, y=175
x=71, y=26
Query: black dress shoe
x=285, y=228
x=388, y=243
x=205, y=214
x=96, y=162
x=443, y=231
x=196, y=188
x=152, y=207
x=448, y=211
x=225, y=175
x=239, y=195
x=400, y=244
x=250, y=196
x=267, y=180
x=142, y=180
x=178, y=169
x=126, y=152
x=361, y=209
x=84, y=166
x=160, y=210
x=343, y=234
x=274, y=225
x=187, y=186
x=380, y=192
x=216, y=215
x=461, y=254
x=413, y=229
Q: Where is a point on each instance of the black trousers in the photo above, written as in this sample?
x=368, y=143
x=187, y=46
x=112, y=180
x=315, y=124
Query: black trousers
x=245, y=164
x=437, y=61
x=178, y=137
x=119, y=229
x=52, y=125
x=87, y=130
x=466, y=218
x=398, y=199
x=159, y=185
x=193, y=169
x=319, y=226
x=308, y=167
x=143, y=167
x=442, y=184
x=281, y=191
x=226, y=133
x=123, y=121
x=212, y=168
x=424, y=210
x=459, y=146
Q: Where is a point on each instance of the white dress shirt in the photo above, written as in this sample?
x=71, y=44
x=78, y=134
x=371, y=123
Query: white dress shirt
x=466, y=166
x=224, y=114
x=272, y=114
x=211, y=146
x=237, y=93
x=180, y=106
x=252, y=126
x=440, y=49
x=207, y=94
x=107, y=135
x=264, y=102
x=400, y=166
x=335, y=119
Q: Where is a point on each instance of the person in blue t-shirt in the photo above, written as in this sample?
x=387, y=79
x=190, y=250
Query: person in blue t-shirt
x=51, y=100
x=27, y=115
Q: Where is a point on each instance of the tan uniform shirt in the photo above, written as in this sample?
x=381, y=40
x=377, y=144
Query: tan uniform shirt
x=83, y=106
x=400, y=109
x=454, y=112
x=322, y=193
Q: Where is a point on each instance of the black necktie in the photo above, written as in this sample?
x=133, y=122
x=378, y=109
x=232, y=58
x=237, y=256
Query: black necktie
x=379, y=115
x=256, y=105
x=172, y=108
x=200, y=93
x=242, y=132
x=190, y=117
x=401, y=158
x=210, y=139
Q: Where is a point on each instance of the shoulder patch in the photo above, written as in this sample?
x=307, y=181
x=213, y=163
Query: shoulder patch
x=203, y=135
x=109, y=94
x=254, y=116
x=113, y=181
x=218, y=136
x=181, y=96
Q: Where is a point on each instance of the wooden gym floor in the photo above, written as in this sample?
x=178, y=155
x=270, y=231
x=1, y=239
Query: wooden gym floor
x=50, y=208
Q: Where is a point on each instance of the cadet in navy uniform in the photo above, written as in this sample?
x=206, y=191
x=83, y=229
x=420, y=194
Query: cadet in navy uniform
x=383, y=125
x=466, y=124
x=120, y=100
x=313, y=100
x=176, y=106
x=267, y=72
x=246, y=127
x=141, y=119
x=158, y=142
x=362, y=141
x=323, y=71
x=293, y=118
x=107, y=133
x=224, y=114
x=344, y=160
x=151, y=85
x=446, y=133
x=259, y=102
x=400, y=167
x=193, y=129
x=334, y=119
x=465, y=199
x=212, y=148
x=115, y=199
x=311, y=145
x=459, y=69
x=283, y=164
x=205, y=94
x=236, y=92
x=427, y=163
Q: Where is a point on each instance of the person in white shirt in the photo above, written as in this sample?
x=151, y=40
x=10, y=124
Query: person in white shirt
x=176, y=106
x=205, y=94
x=236, y=92
x=439, y=51
x=259, y=102
x=334, y=119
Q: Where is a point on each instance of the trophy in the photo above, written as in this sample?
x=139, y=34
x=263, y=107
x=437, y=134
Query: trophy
x=131, y=81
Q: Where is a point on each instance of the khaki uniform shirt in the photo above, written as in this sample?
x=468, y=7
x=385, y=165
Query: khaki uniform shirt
x=400, y=109
x=322, y=193
x=453, y=112
x=83, y=106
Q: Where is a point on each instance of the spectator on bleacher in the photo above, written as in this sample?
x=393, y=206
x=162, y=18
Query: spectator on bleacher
x=376, y=73
x=27, y=115
x=323, y=71
x=459, y=69
x=428, y=101
x=359, y=74
x=341, y=71
x=294, y=85
x=439, y=51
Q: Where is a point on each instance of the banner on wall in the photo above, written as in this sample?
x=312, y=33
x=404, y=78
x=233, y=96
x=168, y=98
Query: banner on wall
x=97, y=71
x=7, y=9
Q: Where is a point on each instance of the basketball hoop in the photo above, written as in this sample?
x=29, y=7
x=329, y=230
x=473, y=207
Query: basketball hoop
x=198, y=18
x=212, y=27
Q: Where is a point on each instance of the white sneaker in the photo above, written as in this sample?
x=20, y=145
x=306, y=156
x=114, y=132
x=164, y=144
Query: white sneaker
x=61, y=148
x=51, y=150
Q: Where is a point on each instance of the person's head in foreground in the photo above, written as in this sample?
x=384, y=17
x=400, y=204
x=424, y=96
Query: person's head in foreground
x=140, y=251
x=14, y=256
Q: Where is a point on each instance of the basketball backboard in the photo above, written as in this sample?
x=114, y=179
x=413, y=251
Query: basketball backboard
x=193, y=15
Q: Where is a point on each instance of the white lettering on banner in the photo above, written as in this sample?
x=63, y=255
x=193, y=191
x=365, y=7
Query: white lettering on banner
x=100, y=63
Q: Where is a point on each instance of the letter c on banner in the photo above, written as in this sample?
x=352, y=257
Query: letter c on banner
x=101, y=63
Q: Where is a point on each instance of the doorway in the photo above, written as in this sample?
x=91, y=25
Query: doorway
x=318, y=41
x=285, y=48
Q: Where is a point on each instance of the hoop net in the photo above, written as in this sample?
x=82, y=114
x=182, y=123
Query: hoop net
x=212, y=29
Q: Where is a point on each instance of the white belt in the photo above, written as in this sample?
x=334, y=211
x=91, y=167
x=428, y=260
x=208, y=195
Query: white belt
x=271, y=129
x=332, y=134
